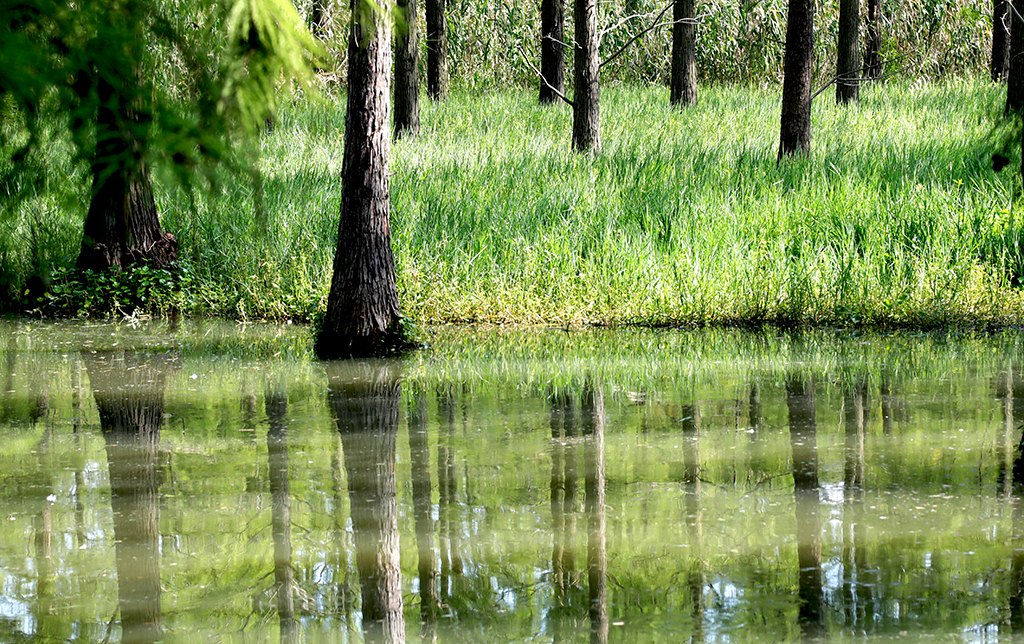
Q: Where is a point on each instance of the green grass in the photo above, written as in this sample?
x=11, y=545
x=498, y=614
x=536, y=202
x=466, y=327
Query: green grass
x=896, y=218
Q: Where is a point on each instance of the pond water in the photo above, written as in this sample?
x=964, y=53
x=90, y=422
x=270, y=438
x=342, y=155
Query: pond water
x=213, y=481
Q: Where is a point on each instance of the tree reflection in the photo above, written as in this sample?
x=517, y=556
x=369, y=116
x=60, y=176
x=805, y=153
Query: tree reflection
x=592, y=411
x=419, y=456
x=364, y=399
x=276, y=402
x=694, y=516
x=562, y=421
x=1015, y=391
x=448, y=487
x=129, y=392
x=855, y=406
x=803, y=443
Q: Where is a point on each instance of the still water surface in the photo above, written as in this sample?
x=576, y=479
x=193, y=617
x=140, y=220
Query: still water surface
x=212, y=481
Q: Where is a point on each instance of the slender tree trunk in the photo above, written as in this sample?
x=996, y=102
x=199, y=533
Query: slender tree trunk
x=848, y=53
x=121, y=227
x=281, y=510
x=362, y=307
x=437, y=49
x=365, y=408
x=407, y=80
x=552, y=54
x=1000, y=40
x=317, y=17
x=592, y=409
x=796, y=86
x=1015, y=74
x=683, y=89
x=586, y=112
x=873, y=40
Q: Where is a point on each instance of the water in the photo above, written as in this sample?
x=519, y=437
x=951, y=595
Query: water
x=214, y=482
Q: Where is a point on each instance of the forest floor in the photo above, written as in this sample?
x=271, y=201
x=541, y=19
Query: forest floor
x=684, y=217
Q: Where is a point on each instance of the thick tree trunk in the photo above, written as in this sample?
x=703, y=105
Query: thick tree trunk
x=873, y=41
x=365, y=408
x=586, y=113
x=592, y=409
x=129, y=393
x=803, y=443
x=407, y=79
x=683, y=90
x=795, y=135
x=1015, y=74
x=848, y=70
x=437, y=49
x=1000, y=40
x=121, y=227
x=281, y=510
x=552, y=55
x=362, y=307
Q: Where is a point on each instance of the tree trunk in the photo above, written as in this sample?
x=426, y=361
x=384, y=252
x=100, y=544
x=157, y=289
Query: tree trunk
x=803, y=443
x=129, y=393
x=365, y=408
x=873, y=46
x=1000, y=40
x=362, y=307
x=552, y=55
x=592, y=409
x=316, y=18
x=796, y=86
x=848, y=53
x=437, y=49
x=276, y=401
x=121, y=227
x=586, y=115
x=407, y=80
x=1015, y=74
x=683, y=90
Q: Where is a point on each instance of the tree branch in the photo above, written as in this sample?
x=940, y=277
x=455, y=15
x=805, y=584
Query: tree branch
x=651, y=27
x=541, y=76
x=857, y=76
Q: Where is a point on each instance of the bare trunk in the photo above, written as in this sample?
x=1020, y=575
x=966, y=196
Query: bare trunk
x=873, y=46
x=407, y=80
x=683, y=90
x=552, y=55
x=1000, y=40
x=437, y=49
x=1015, y=74
x=795, y=136
x=362, y=307
x=586, y=112
x=848, y=53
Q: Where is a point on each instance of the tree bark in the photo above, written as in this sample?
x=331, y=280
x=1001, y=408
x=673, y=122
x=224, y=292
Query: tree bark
x=848, y=53
x=437, y=49
x=552, y=54
x=407, y=80
x=1000, y=40
x=683, y=90
x=873, y=45
x=795, y=135
x=362, y=307
x=365, y=408
x=586, y=113
x=1015, y=75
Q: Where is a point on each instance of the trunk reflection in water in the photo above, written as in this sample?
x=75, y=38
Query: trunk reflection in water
x=276, y=400
x=129, y=392
x=422, y=501
x=364, y=400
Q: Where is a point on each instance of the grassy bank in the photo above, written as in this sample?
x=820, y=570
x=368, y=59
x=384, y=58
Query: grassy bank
x=684, y=217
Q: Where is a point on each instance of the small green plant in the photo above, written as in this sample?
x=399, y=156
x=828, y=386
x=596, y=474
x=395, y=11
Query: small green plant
x=141, y=289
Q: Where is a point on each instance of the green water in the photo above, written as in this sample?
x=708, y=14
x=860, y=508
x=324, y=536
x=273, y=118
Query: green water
x=214, y=482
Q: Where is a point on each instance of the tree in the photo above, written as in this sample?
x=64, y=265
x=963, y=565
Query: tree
x=683, y=89
x=552, y=56
x=437, y=50
x=1015, y=75
x=795, y=136
x=407, y=80
x=848, y=53
x=362, y=307
x=586, y=114
x=1000, y=40
x=873, y=45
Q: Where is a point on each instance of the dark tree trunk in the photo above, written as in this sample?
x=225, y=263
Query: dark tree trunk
x=848, y=53
x=683, y=90
x=362, y=307
x=276, y=401
x=129, y=393
x=365, y=408
x=121, y=226
x=1000, y=40
x=796, y=86
x=592, y=409
x=694, y=517
x=317, y=16
x=855, y=568
x=586, y=113
x=407, y=79
x=437, y=49
x=422, y=502
x=873, y=45
x=803, y=443
x=1015, y=74
x=552, y=55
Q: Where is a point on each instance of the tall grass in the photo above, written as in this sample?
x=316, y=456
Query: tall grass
x=684, y=217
